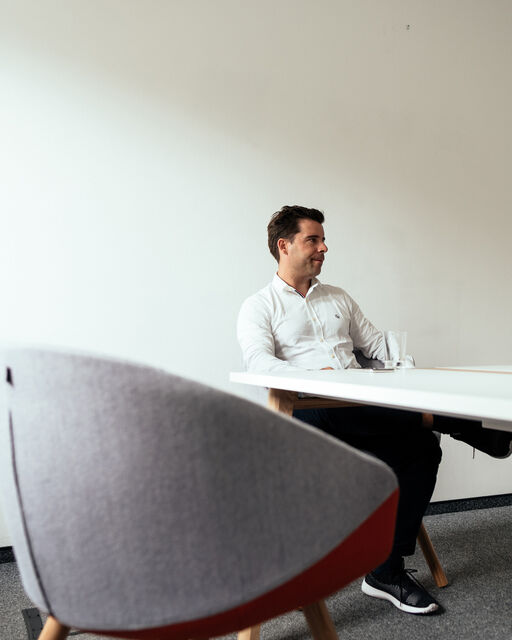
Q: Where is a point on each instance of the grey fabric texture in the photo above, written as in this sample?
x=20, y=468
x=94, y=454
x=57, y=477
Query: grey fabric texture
x=8, y=494
x=149, y=499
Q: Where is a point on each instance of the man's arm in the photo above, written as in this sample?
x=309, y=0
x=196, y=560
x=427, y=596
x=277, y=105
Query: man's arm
x=365, y=336
x=256, y=340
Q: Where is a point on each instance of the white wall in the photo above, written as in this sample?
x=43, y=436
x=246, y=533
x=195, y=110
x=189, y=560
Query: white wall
x=144, y=146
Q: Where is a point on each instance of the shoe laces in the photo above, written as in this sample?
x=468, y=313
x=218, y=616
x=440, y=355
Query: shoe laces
x=403, y=573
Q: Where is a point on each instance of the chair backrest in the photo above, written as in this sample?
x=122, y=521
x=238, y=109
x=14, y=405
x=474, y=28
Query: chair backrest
x=136, y=498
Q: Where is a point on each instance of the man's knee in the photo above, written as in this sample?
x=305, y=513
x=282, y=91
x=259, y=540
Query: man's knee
x=430, y=448
x=421, y=450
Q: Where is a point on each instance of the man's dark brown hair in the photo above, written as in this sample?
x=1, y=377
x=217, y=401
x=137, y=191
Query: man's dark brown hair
x=285, y=224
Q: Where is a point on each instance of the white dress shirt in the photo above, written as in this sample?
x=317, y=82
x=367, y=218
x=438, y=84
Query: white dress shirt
x=279, y=330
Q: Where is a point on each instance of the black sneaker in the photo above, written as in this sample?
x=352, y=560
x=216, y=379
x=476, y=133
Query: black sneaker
x=406, y=593
x=493, y=442
x=497, y=444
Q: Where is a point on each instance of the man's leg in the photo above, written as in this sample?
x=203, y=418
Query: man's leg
x=497, y=444
x=397, y=438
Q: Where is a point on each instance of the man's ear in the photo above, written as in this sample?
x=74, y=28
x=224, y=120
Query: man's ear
x=282, y=245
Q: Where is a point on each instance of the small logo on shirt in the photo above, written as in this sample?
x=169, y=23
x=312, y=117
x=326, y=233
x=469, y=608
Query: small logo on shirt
x=337, y=316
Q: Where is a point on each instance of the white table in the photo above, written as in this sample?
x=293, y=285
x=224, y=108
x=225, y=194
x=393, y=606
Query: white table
x=478, y=393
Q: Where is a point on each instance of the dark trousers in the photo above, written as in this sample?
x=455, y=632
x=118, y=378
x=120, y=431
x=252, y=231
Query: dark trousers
x=398, y=438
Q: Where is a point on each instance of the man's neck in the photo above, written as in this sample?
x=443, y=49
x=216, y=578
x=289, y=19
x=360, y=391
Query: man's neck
x=299, y=284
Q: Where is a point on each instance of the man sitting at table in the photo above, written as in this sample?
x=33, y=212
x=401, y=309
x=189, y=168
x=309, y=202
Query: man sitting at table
x=297, y=323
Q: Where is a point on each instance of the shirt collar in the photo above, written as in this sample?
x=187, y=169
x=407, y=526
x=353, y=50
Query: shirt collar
x=280, y=285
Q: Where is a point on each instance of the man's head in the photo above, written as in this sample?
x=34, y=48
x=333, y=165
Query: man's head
x=285, y=224
x=296, y=238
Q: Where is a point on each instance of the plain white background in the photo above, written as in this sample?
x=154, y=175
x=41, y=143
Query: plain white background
x=144, y=146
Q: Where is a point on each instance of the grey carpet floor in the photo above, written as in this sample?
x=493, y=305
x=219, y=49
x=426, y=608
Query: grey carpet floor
x=476, y=551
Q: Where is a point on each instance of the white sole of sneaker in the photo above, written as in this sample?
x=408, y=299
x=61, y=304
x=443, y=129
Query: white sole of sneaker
x=383, y=595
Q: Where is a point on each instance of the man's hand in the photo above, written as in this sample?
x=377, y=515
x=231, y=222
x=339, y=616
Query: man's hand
x=325, y=369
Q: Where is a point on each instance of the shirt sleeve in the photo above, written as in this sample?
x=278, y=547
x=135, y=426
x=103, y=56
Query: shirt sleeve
x=254, y=333
x=365, y=336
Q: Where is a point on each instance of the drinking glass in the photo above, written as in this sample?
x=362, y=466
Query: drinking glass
x=396, y=345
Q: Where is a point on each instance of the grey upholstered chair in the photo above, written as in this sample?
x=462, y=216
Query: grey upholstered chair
x=142, y=505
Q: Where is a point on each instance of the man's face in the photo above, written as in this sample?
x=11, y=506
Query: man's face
x=304, y=255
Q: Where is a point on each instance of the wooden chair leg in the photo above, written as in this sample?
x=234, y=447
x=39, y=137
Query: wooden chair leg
x=320, y=622
x=54, y=630
x=431, y=558
x=252, y=633
x=423, y=538
x=282, y=401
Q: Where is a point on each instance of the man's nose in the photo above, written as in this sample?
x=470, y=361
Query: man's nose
x=323, y=248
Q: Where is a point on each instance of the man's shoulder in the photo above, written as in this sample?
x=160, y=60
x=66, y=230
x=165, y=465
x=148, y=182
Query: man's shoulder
x=260, y=299
x=264, y=292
